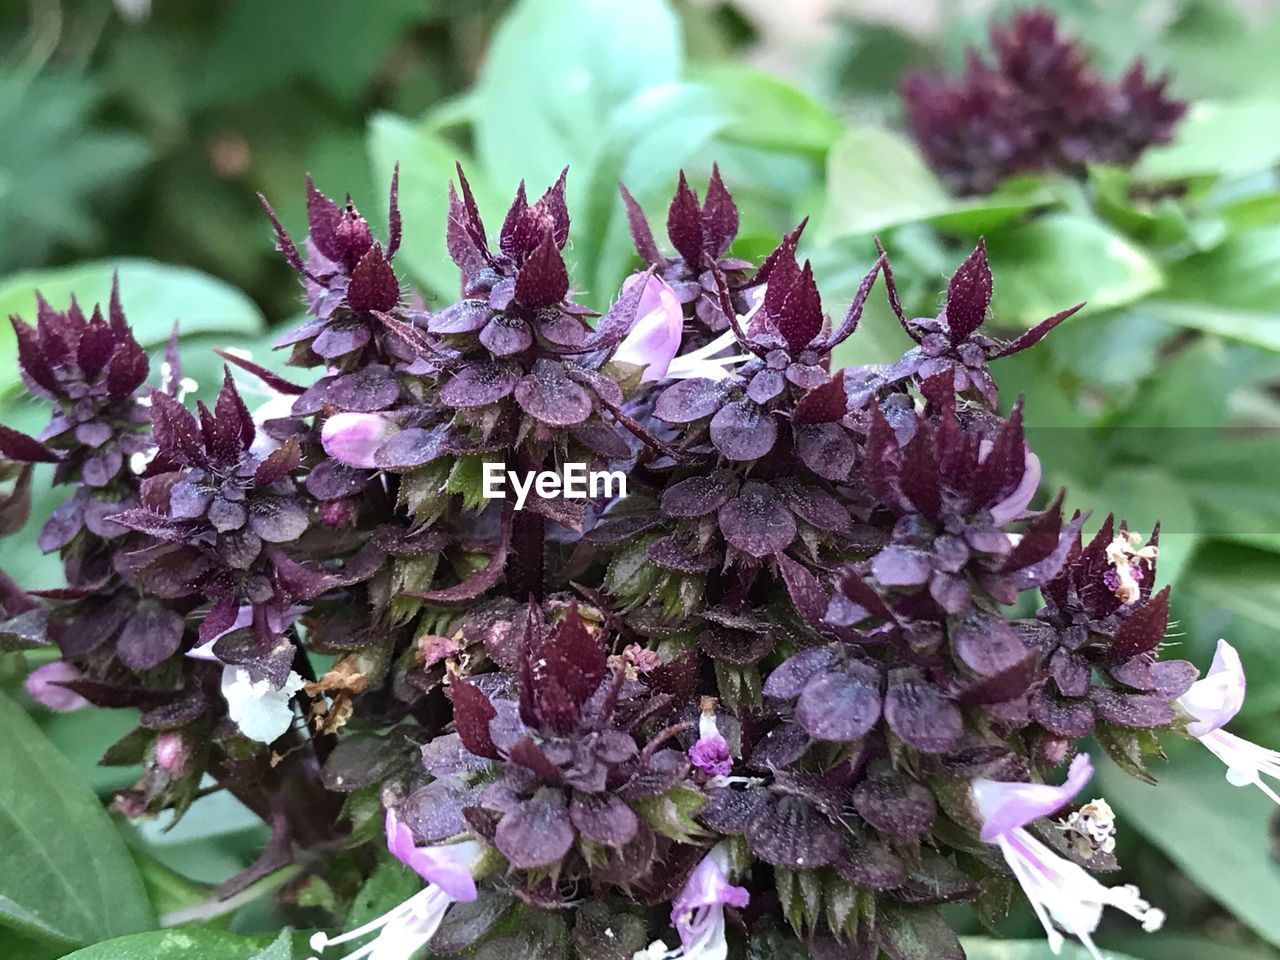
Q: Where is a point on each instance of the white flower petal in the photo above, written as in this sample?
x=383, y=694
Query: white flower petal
x=262, y=712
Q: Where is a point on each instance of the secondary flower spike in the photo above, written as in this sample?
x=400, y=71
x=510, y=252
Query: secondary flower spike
x=1062, y=894
x=1214, y=702
x=698, y=912
x=1039, y=106
x=407, y=928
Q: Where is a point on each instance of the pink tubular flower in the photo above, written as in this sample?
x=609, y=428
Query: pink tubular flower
x=1062, y=894
x=353, y=438
x=42, y=684
x=698, y=912
x=1214, y=701
x=654, y=339
x=710, y=753
x=1015, y=504
x=409, y=927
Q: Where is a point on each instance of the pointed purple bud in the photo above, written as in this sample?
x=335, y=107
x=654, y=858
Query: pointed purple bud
x=968, y=295
x=684, y=224
x=373, y=286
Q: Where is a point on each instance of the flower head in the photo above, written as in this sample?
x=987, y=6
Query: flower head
x=1062, y=894
x=698, y=912
x=1039, y=106
x=1213, y=702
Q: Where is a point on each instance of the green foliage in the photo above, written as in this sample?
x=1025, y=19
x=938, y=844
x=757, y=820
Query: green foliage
x=182, y=943
x=65, y=875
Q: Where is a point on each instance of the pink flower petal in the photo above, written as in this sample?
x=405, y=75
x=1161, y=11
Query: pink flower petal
x=1008, y=806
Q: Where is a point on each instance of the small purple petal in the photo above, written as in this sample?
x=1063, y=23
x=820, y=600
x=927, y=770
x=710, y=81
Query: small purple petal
x=1008, y=806
x=42, y=685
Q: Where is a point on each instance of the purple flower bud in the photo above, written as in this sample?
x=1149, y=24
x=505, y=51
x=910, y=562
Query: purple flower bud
x=171, y=752
x=655, y=335
x=42, y=684
x=1015, y=504
x=353, y=438
x=340, y=513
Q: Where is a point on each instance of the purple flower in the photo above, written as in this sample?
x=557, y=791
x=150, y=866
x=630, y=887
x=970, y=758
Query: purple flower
x=1213, y=702
x=43, y=685
x=1013, y=506
x=698, y=912
x=1062, y=894
x=407, y=928
x=654, y=339
x=710, y=753
x=354, y=438
x=448, y=866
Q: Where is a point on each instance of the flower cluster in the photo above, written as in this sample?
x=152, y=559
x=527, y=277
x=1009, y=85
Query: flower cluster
x=781, y=681
x=1040, y=106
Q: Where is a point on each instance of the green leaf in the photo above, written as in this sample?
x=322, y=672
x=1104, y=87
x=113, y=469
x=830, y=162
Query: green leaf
x=62, y=161
x=877, y=179
x=154, y=295
x=555, y=72
x=1061, y=259
x=1227, y=139
x=64, y=871
x=671, y=814
x=426, y=161
x=770, y=113
x=1216, y=833
x=982, y=948
x=256, y=48
x=179, y=943
x=280, y=949
x=917, y=933
x=1257, y=329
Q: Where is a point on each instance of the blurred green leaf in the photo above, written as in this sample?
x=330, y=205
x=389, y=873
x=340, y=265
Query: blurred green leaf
x=555, y=72
x=280, y=949
x=982, y=948
x=179, y=943
x=65, y=874
x=84, y=735
x=877, y=179
x=1216, y=833
x=258, y=45
x=1061, y=259
x=1227, y=139
x=54, y=161
x=1245, y=326
x=770, y=112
